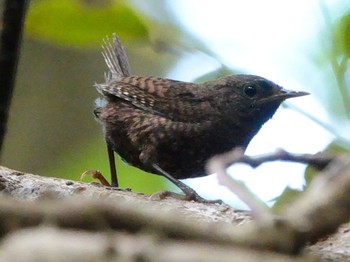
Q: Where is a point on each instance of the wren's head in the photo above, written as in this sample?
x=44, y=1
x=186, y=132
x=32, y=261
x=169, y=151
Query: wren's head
x=250, y=97
x=249, y=100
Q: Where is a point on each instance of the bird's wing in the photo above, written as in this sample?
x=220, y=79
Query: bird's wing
x=175, y=100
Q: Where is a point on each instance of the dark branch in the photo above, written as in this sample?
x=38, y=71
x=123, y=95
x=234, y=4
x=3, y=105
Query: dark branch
x=12, y=27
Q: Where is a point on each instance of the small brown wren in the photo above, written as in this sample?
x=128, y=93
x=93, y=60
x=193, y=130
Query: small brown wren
x=171, y=128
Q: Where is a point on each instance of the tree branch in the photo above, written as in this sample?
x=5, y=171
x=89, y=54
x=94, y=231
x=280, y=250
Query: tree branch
x=97, y=208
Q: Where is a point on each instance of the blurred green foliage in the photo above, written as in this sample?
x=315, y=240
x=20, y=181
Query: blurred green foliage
x=332, y=149
x=335, y=54
x=81, y=23
x=287, y=196
x=342, y=33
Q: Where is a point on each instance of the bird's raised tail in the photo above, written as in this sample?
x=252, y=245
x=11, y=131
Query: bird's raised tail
x=115, y=57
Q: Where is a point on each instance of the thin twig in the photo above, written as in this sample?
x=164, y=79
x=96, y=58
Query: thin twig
x=317, y=212
x=218, y=165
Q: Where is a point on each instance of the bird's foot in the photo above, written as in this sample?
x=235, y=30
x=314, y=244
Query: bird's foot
x=192, y=195
x=95, y=174
x=164, y=194
x=189, y=196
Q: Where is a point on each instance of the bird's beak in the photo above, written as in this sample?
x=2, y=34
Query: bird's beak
x=283, y=94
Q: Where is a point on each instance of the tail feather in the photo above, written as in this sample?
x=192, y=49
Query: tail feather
x=115, y=58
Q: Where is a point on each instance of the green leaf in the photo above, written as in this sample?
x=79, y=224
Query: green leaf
x=309, y=174
x=342, y=30
x=285, y=198
x=82, y=23
x=334, y=148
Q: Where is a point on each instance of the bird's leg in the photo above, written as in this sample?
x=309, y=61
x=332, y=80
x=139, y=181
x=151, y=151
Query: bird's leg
x=190, y=194
x=111, y=158
x=97, y=174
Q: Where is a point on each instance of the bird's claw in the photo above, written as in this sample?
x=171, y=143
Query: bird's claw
x=190, y=196
x=95, y=174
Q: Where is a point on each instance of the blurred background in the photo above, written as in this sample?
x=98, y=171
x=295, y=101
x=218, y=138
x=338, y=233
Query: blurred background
x=301, y=45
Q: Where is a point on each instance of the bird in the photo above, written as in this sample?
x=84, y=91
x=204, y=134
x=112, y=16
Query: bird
x=170, y=127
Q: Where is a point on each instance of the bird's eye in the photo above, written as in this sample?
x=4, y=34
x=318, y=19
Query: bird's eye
x=250, y=91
